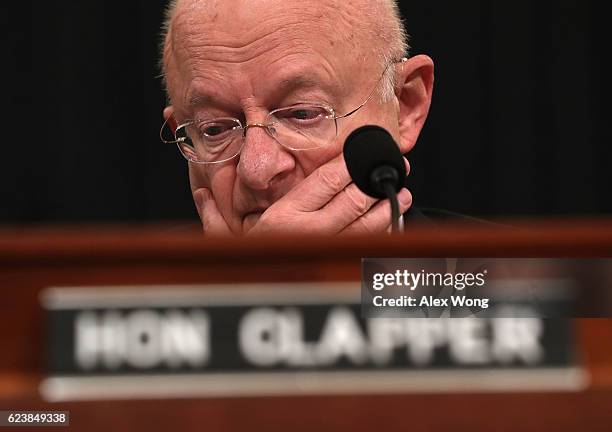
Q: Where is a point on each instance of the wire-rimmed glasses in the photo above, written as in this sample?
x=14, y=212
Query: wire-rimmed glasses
x=302, y=126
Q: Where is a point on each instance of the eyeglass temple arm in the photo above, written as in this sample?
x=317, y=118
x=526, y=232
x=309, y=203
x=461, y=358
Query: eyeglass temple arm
x=165, y=141
x=402, y=60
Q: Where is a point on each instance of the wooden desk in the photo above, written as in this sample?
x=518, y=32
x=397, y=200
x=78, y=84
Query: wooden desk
x=32, y=259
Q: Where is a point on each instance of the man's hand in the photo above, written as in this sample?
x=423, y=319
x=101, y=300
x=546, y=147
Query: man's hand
x=326, y=202
x=213, y=222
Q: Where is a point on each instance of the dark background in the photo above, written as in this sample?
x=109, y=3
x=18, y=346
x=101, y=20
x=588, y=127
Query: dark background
x=519, y=123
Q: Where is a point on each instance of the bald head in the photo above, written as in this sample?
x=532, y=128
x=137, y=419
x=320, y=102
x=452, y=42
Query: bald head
x=368, y=29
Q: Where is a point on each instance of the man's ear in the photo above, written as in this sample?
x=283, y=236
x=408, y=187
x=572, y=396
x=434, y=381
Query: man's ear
x=414, y=88
x=169, y=117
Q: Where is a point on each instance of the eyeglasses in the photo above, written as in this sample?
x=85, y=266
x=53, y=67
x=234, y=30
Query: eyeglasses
x=303, y=126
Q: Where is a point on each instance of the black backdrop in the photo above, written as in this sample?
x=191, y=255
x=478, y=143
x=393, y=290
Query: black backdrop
x=519, y=123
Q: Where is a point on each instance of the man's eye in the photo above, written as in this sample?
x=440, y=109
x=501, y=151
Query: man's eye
x=216, y=130
x=304, y=113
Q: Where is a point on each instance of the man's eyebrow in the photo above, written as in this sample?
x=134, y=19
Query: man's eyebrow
x=285, y=86
x=196, y=100
x=298, y=81
x=305, y=81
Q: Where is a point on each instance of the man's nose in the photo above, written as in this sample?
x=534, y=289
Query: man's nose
x=262, y=159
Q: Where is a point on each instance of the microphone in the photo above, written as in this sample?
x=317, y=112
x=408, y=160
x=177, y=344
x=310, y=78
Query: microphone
x=376, y=165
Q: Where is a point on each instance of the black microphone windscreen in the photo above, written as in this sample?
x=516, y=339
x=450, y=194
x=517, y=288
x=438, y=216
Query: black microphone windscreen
x=367, y=149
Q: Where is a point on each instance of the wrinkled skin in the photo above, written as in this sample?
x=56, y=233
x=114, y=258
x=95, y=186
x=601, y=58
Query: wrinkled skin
x=230, y=59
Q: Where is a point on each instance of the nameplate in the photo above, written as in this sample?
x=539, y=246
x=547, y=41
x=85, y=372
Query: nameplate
x=283, y=339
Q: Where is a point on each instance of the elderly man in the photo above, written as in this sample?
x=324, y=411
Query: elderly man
x=263, y=95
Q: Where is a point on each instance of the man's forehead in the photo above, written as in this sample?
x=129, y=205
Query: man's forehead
x=224, y=38
x=236, y=31
x=211, y=8
x=340, y=20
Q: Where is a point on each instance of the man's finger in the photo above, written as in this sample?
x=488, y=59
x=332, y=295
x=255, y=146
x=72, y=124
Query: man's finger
x=378, y=218
x=316, y=190
x=213, y=222
x=323, y=184
x=348, y=205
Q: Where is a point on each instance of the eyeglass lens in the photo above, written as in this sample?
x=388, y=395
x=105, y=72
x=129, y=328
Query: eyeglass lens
x=299, y=127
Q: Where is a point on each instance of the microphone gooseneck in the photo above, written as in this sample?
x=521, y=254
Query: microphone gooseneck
x=376, y=165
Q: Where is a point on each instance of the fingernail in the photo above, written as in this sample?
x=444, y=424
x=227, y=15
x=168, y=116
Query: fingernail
x=407, y=165
x=404, y=197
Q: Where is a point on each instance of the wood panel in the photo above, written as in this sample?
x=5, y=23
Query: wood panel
x=35, y=258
